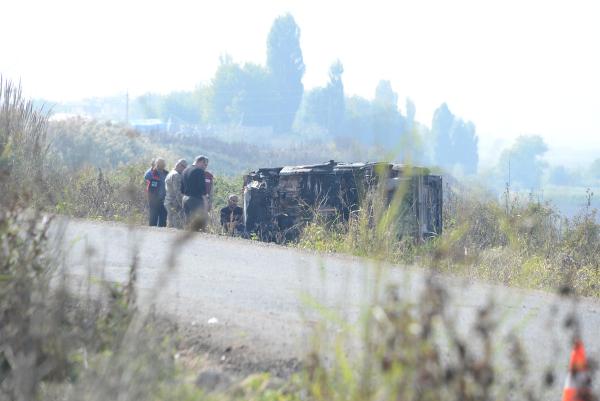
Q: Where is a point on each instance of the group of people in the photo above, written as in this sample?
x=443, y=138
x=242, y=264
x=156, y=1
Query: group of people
x=183, y=197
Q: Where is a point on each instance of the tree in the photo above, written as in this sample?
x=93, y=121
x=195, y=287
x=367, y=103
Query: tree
x=335, y=94
x=286, y=65
x=358, y=119
x=524, y=162
x=411, y=111
x=455, y=141
x=386, y=119
x=465, y=143
x=242, y=94
x=315, y=106
x=559, y=175
x=226, y=86
x=255, y=100
x=326, y=106
x=595, y=169
x=385, y=95
x=182, y=107
x=441, y=128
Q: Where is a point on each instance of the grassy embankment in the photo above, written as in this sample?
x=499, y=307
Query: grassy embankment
x=517, y=243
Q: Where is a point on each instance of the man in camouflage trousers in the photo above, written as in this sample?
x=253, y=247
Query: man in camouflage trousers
x=174, y=197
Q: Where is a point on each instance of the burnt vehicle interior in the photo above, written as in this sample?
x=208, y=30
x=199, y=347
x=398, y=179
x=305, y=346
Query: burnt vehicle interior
x=279, y=201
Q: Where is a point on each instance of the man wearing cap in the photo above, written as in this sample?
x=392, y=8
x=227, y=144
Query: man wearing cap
x=193, y=187
x=174, y=197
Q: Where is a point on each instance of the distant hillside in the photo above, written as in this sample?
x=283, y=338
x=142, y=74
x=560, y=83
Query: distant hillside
x=77, y=142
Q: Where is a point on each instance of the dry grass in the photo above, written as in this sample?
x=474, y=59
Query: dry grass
x=22, y=143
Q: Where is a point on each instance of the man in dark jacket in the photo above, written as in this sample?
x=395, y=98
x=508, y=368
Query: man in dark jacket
x=232, y=216
x=155, y=190
x=193, y=187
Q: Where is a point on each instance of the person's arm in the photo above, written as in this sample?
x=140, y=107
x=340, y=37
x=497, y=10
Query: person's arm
x=210, y=182
x=238, y=215
x=223, y=217
x=202, y=186
x=177, y=187
x=148, y=178
x=168, y=183
x=182, y=186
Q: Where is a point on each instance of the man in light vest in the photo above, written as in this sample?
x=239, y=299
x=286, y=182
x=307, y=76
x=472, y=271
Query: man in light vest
x=174, y=197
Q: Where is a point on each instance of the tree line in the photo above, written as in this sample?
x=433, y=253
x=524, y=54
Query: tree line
x=522, y=166
x=273, y=96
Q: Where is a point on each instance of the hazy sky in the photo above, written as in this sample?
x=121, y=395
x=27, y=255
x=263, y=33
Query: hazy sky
x=511, y=66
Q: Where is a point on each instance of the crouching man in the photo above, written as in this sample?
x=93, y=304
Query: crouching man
x=232, y=216
x=174, y=196
x=193, y=187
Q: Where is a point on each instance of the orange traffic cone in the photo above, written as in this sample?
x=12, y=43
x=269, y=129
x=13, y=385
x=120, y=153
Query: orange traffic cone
x=578, y=384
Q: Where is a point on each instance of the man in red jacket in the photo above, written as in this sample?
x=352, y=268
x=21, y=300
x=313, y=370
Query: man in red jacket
x=155, y=191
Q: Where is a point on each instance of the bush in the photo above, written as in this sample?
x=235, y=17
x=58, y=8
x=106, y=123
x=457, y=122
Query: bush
x=118, y=195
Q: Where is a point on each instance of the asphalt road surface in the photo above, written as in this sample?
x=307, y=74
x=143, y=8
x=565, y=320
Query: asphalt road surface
x=261, y=298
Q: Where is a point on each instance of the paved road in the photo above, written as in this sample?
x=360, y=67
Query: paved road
x=260, y=293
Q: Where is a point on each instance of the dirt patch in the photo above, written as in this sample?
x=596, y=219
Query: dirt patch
x=200, y=348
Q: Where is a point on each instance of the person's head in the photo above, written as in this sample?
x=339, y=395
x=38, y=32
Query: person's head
x=232, y=200
x=180, y=165
x=160, y=163
x=201, y=161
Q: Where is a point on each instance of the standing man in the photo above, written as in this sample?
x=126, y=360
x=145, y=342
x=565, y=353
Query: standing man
x=232, y=216
x=193, y=187
x=209, y=181
x=155, y=190
x=174, y=197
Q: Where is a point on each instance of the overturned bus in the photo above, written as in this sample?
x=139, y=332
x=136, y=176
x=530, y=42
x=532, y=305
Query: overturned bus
x=279, y=201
